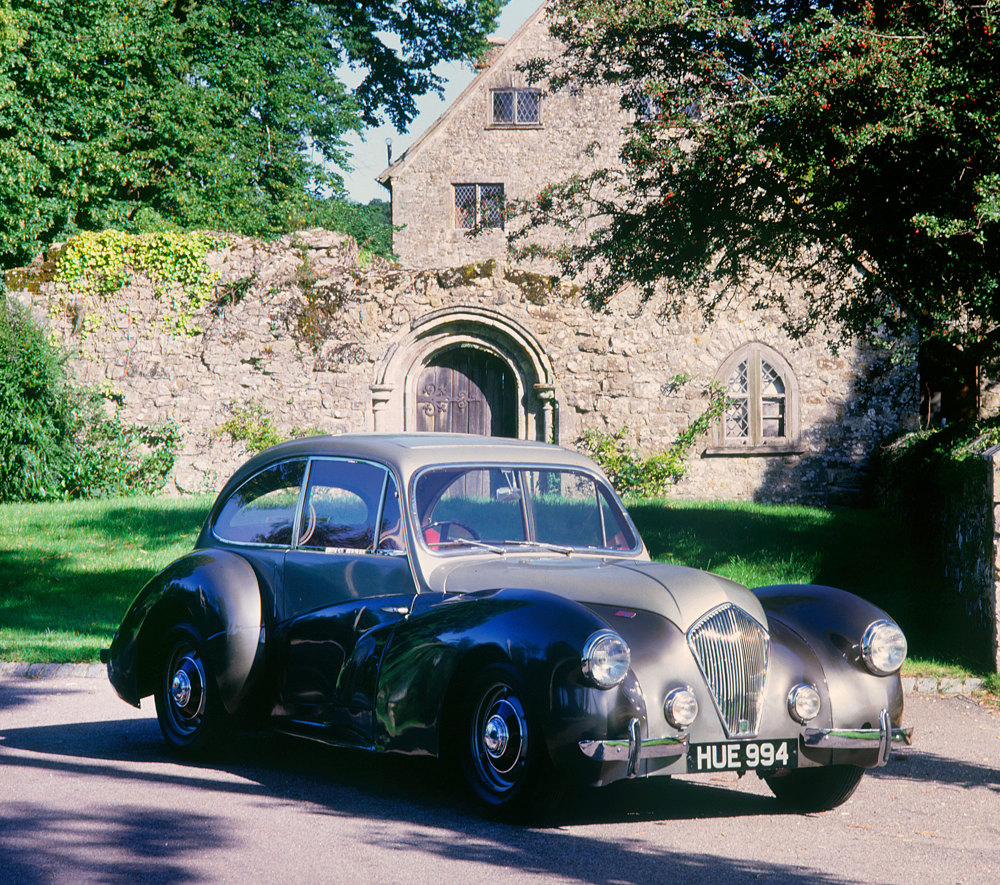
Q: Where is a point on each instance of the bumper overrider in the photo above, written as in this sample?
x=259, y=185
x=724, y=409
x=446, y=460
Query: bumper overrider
x=633, y=748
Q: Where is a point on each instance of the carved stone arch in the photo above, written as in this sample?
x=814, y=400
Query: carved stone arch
x=394, y=393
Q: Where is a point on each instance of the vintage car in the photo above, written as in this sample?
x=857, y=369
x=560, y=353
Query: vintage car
x=490, y=602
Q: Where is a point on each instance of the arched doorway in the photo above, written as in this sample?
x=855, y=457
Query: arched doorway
x=503, y=361
x=465, y=389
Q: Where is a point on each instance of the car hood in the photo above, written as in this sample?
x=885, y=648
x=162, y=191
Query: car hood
x=678, y=593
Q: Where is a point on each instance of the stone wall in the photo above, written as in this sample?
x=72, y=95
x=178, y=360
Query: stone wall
x=952, y=508
x=321, y=343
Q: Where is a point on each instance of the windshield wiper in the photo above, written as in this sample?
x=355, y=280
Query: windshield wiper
x=468, y=542
x=544, y=545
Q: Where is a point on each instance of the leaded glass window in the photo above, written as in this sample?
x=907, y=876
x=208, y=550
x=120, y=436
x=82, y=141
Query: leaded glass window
x=465, y=206
x=479, y=206
x=760, y=405
x=517, y=107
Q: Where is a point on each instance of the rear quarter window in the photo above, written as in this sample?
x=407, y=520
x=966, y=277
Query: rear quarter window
x=262, y=510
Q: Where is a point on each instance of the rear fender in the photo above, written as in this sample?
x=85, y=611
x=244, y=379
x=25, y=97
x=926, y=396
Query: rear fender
x=215, y=590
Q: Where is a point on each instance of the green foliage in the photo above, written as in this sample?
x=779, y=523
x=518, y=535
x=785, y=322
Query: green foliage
x=250, y=424
x=370, y=225
x=99, y=264
x=633, y=475
x=59, y=442
x=36, y=415
x=852, y=146
x=114, y=458
x=141, y=115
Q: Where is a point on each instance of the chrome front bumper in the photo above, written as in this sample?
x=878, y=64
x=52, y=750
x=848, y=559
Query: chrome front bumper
x=881, y=738
x=633, y=748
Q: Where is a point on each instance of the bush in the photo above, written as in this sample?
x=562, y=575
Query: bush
x=633, y=475
x=36, y=415
x=115, y=458
x=60, y=442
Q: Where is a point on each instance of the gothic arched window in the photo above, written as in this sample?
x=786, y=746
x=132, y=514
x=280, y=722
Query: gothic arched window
x=763, y=411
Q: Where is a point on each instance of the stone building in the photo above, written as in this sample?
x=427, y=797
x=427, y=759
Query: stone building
x=454, y=338
x=502, y=139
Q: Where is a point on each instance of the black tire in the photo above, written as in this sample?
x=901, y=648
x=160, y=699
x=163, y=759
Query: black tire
x=188, y=707
x=816, y=789
x=504, y=762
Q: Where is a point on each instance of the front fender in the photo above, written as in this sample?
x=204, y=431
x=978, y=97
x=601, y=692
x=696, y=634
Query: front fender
x=540, y=634
x=831, y=622
x=218, y=592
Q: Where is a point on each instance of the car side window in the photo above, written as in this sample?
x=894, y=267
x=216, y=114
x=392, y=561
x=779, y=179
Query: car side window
x=262, y=510
x=390, y=536
x=341, y=505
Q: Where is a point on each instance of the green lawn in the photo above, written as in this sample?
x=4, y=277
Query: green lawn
x=865, y=551
x=69, y=570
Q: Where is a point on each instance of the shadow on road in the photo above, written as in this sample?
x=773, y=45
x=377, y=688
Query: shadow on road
x=156, y=846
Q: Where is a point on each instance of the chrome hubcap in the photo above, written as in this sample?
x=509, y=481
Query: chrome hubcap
x=185, y=690
x=180, y=688
x=499, y=739
x=495, y=736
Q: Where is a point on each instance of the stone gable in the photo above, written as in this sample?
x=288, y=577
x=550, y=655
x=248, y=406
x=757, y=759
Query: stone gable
x=578, y=131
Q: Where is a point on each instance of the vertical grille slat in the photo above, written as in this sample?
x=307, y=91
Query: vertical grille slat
x=731, y=649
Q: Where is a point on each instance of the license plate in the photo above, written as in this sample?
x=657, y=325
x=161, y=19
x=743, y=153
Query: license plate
x=743, y=756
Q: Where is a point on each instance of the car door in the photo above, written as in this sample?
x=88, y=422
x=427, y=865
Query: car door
x=346, y=583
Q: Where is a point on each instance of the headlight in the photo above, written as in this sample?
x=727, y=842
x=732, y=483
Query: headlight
x=606, y=658
x=681, y=707
x=804, y=702
x=883, y=648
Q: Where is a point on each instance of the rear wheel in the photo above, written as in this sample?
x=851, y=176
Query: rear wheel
x=816, y=789
x=188, y=708
x=504, y=761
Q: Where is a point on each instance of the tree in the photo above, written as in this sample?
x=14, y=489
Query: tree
x=143, y=114
x=853, y=146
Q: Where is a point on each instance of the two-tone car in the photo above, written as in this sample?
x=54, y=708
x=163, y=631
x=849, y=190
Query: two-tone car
x=490, y=602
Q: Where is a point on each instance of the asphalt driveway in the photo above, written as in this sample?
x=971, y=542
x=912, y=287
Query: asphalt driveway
x=87, y=794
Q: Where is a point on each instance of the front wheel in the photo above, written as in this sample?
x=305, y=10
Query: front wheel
x=816, y=789
x=188, y=707
x=504, y=761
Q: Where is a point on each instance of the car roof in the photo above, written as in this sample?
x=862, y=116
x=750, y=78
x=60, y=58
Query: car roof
x=408, y=452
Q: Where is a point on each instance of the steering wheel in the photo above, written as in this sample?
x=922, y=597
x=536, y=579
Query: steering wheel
x=445, y=530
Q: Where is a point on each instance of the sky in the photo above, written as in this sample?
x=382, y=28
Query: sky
x=370, y=154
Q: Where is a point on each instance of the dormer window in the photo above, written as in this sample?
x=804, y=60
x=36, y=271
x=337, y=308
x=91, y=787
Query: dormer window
x=516, y=107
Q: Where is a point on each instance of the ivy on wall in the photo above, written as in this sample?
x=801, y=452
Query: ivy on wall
x=99, y=264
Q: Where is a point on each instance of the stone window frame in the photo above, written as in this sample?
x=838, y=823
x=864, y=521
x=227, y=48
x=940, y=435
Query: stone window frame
x=515, y=122
x=461, y=205
x=757, y=356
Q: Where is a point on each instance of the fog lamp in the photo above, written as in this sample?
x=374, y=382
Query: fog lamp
x=804, y=702
x=681, y=707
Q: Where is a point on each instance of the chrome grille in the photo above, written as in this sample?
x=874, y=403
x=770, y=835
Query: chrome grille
x=731, y=649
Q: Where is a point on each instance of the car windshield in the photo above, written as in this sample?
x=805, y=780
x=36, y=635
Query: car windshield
x=475, y=508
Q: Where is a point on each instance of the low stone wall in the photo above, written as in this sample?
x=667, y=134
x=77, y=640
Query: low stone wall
x=299, y=328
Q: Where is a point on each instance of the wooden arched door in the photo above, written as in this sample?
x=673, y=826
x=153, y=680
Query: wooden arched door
x=467, y=390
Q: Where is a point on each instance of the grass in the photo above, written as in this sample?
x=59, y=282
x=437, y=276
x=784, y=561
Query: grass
x=69, y=570
x=867, y=552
